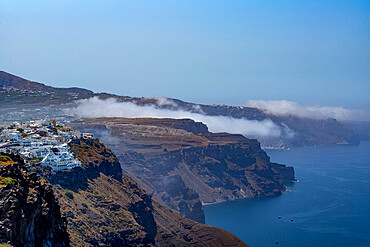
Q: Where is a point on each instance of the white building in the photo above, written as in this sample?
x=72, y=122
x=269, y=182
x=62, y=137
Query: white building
x=60, y=158
x=51, y=149
x=87, y=135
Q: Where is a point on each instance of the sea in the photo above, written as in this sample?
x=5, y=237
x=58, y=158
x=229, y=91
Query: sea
x=328, y=206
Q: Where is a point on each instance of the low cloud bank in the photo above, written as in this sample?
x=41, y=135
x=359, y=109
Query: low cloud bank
x=94, y=107
x=285, y=108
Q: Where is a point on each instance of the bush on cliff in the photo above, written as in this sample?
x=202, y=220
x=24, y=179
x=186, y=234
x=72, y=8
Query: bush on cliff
x=69, y=194
x=7, y=180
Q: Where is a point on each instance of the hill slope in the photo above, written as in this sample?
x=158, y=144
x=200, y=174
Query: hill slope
x=105, y=209
x=15, y=83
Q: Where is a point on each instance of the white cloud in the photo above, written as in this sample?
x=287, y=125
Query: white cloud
x=94, y=107
x=285, y=108
x=161, y=101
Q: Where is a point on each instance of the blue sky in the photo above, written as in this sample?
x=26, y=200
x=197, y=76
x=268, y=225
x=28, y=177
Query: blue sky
x=311, y=52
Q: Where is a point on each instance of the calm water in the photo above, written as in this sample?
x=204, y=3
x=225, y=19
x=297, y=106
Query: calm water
x=330, y=205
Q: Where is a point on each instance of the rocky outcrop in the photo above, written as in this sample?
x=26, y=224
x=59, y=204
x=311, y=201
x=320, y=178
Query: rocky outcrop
x=183, y=168
x=286, y=173
x=29, y=212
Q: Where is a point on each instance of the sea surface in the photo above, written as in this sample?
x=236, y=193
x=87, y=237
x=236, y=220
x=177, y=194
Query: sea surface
x=330, y=205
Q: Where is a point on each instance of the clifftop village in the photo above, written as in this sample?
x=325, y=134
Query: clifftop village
x=42, y=142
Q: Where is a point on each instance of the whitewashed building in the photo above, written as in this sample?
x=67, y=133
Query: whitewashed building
x=60, y=158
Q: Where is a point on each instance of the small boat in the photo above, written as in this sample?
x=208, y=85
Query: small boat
x=279, y=217
x=291, y=220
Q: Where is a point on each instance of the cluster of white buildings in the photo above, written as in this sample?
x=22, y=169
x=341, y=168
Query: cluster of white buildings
x=41, y=142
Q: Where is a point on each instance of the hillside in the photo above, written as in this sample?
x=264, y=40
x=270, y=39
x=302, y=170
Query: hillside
x=14, y=83
x=183, y=165
x=18, y=94
x=107, y=208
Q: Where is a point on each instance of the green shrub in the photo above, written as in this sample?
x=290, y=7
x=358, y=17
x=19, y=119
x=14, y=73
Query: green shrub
x=4, y=158
x=36, y=159
x=8, y=180
x=5, y=245
x=69, y=194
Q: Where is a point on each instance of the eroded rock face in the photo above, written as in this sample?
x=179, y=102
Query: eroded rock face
x=29, y=212
x=183, y=168
x=215, y=173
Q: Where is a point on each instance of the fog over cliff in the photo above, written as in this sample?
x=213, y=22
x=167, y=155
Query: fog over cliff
x=94, y=107
x=285, y=108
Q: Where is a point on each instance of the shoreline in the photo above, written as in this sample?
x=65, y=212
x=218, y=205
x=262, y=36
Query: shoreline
x=243, y=198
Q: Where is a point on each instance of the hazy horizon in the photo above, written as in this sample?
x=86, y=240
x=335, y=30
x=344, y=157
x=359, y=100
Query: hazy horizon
x=223, y=52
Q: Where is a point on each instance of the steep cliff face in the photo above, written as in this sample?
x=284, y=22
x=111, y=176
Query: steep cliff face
x=29, y=212
x=107, y=210
x=183, y=166
x=216, y=172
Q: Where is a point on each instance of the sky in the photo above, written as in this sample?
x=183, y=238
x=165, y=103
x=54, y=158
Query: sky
x=210, y=51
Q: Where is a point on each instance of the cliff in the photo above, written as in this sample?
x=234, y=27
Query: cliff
x=29, y=212
x=105, y=209
x=183, y=166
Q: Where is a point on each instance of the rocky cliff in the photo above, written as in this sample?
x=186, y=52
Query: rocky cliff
x=183, y=166
x=105, y=209
x=29, y=212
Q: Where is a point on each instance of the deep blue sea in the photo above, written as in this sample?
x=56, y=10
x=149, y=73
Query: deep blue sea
x=330, y=205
